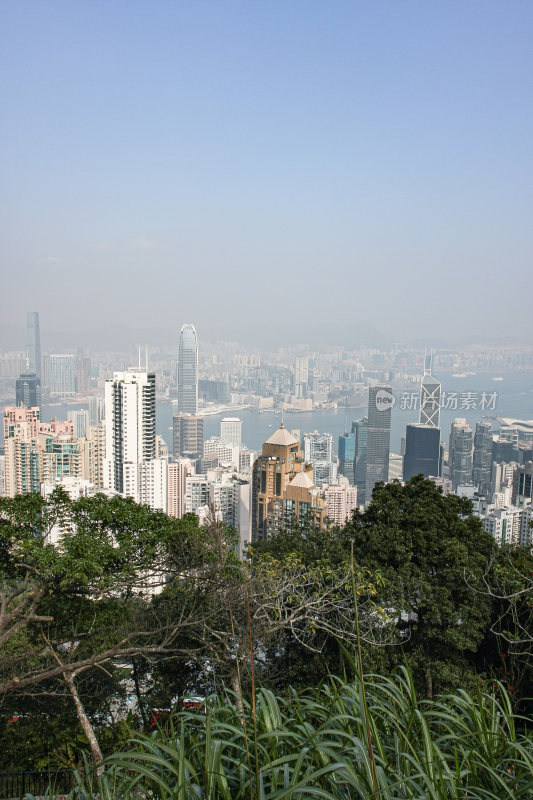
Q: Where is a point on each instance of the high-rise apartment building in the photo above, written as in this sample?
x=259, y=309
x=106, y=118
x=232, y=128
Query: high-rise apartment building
x=188, y=371
x=153, y=483
x=341, y=501
x=2, y=475
x=422, y=451
x=503, y=524
x=196, y=493
x=28, y=390
x=283, y=490
x=33, y=342
x=80, y=420
x=460, y=453
x=62, y=375
x=96, y=409
x=380, y=401
x=482, y=463
x=178, y=472
x=95, y=454
x=130, y=430
x=187, y=435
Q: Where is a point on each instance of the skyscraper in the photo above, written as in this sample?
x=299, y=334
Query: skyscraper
x=130, y=430
x=33, y=342
x=460, y=453
x=360, y=431
x=422, y=451
x=482, y=465
x=430, y=389
x=62, y=376
x=28, y=390
x=187, y=435
x=188, y=370
x=380, y=401
x=347, y=456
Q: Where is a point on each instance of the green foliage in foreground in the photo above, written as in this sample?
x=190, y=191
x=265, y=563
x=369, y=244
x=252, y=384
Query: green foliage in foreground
x=314, y=744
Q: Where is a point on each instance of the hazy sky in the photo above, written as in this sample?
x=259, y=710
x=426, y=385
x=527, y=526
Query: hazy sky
x=307, y=165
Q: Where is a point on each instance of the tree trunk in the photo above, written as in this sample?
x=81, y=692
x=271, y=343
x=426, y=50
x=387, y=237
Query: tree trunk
x=235, y=685
x=140, y=701
x=85, y=724
x=429, y=684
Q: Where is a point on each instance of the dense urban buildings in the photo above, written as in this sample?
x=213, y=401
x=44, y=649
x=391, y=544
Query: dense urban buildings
x=38, y=451
x=111, y=443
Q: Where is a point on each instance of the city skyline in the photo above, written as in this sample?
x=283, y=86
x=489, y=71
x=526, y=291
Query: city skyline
x=381, y=150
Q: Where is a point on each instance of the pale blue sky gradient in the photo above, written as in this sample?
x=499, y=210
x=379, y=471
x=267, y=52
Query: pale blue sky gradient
x=374, y=159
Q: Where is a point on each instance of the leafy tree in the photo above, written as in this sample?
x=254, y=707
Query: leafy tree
x=507, y=649
x=75, y=583
x=430, y=551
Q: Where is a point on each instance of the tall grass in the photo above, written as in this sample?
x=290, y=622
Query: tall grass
x=315, y=745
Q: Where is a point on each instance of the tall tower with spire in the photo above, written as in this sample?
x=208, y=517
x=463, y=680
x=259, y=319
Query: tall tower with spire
x=422, y=440
x=430, y=389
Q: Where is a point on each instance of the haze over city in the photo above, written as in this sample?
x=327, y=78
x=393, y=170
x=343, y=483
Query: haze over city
x=337, y=173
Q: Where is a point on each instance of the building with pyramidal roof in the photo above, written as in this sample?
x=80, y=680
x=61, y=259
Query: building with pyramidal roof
x=283, y=488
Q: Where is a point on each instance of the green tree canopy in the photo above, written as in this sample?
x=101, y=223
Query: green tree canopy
x=430, y=550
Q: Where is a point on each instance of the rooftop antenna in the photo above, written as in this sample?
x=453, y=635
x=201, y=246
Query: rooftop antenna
x=282, y=417
x=139, y=356
x=427, y=362
x=146, y=358
x=346, y=415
